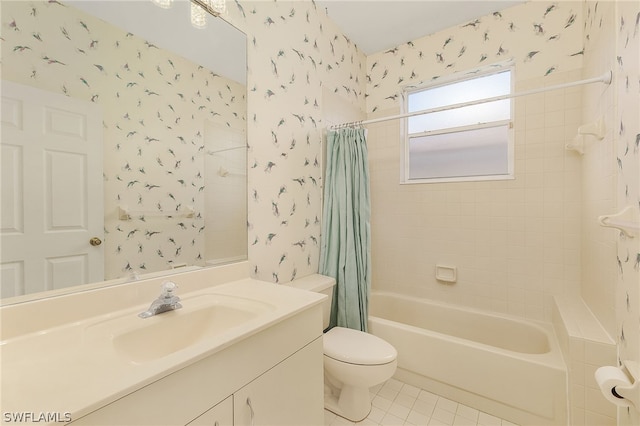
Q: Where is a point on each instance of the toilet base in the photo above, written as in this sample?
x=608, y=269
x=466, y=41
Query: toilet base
x=352, y=403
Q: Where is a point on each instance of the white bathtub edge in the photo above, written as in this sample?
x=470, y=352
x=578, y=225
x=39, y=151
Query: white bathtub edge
x=512, y=378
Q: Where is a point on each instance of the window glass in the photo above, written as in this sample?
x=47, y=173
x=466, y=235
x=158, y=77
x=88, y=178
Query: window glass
x=473, y=141
x=478, y=152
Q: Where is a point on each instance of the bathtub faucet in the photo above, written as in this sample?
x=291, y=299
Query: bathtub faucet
x=167, y=301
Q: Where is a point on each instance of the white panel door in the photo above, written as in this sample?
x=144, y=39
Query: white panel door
x=52, y=202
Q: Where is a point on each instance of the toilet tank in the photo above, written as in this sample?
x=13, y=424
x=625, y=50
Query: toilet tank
x=318, y=284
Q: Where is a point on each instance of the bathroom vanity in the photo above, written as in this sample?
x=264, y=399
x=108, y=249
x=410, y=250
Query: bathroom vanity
x=239, y=352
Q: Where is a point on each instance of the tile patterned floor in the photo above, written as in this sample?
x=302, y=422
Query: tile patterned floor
x=396, y=403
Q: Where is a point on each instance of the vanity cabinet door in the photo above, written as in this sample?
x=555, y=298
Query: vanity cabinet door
x=291, y=393
x=220, y=415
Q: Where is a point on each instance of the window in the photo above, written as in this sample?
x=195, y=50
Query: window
x=473, y=142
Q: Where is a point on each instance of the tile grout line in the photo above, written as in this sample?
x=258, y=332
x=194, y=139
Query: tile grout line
x=396, y=403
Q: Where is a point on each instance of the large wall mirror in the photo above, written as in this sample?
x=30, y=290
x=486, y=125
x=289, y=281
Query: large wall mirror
x=123, y=143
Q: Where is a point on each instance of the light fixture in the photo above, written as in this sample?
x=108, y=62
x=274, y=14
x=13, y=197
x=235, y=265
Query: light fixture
x=165, y=4
x=199, y=9
x=214, y=7
x=198, y=16
x=219, y=6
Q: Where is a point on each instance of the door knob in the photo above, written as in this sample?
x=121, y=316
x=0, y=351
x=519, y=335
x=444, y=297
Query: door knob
x=95, y=241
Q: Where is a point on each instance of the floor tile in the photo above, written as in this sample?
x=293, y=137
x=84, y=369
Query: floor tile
x=410, y=390
x=443, y=415
x=396, y=404
x=399, y=410
x=418, y=419
x=463, y=421
x=485, y=419
x=447, y=405
x=405, y=400
x=428, y=396
x=468, y=412
x=424, y=407
x=381, y=403
x=391, y=420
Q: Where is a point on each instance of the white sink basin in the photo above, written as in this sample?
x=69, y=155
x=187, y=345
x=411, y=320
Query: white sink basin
x=204, y=317
x=98, y=343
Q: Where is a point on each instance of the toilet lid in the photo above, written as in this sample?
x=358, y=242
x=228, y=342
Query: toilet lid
x=357, y=347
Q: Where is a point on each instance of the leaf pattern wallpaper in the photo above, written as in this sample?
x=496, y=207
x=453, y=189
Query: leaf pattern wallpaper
x=626, y=130
x=612, y=41
x=540, y=38
x=154, y=104
x=295, y=53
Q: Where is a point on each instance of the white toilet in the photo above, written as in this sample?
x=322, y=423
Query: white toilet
x=354, y=361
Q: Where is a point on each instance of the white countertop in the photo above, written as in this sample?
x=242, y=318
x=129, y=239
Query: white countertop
x=75, y=368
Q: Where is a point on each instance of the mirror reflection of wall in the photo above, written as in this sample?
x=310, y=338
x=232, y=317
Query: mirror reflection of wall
x=225, y=200
x=155, y=106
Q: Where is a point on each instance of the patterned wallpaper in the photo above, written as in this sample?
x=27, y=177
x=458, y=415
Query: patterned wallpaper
x=539, y=37
x=295, y=52
x=611, y=171
x=627, y=158
x=155, y=104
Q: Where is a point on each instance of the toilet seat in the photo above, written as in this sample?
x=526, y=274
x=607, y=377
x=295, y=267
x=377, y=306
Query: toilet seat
x=357, y=347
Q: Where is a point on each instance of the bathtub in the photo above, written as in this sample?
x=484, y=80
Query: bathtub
x=504, y=366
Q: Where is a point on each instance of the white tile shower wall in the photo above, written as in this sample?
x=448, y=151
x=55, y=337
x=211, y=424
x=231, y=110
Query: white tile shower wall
x=586, y=346
x=516, y=243
x=588, y=406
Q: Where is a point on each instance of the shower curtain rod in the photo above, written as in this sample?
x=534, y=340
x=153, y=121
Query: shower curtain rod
x=605, y=78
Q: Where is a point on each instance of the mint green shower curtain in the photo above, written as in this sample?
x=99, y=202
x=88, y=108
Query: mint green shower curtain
x=345, y=252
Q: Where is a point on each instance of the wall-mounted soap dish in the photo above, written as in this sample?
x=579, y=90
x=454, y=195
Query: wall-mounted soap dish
x=576, y=145
x=597, y=129
x=626, y=221
x=447, y=274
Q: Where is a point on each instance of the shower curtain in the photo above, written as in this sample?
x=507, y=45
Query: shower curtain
x=345, y=252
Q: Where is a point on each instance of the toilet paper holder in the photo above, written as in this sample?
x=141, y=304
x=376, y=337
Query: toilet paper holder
x=627, y=394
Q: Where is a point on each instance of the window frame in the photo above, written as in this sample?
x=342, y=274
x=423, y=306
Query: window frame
x=452, y=79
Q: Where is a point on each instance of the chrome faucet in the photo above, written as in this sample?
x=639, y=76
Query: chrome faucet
x=167, y=301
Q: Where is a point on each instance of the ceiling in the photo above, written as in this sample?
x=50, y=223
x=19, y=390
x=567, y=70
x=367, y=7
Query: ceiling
x=377, y=25
x=373, y=25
